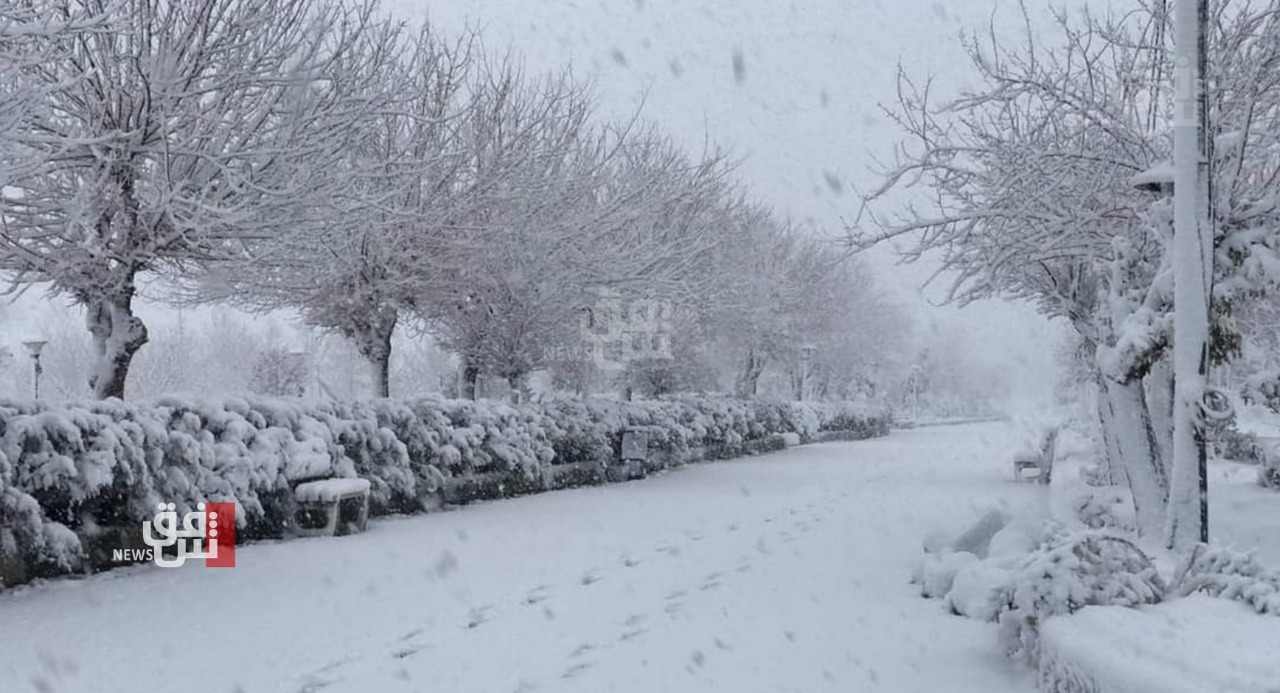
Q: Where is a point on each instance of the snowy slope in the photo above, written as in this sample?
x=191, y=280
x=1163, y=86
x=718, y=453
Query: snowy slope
x=783, y=572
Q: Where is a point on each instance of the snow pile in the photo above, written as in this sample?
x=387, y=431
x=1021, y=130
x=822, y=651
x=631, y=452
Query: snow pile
x=69, y=473
x=1228, y=574
x=969, y=572
x=1190, y=645
x=330, y=490
x=937, y=572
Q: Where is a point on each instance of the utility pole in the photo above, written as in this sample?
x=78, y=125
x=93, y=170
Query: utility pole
x=1188, y=520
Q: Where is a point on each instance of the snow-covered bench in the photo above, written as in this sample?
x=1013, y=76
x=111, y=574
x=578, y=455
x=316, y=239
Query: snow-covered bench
x=1040, y=460
x=320, y=505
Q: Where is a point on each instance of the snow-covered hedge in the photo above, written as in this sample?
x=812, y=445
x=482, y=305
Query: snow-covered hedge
x=1071, y=571
x=76, y=476
x=1227, y=574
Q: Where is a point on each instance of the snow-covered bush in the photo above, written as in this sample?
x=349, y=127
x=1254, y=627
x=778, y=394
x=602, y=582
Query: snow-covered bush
x=1095, y=474
x=1068, y=572
x=1228, y=574
x=71, y=472
x=1232, y=444
x=1269, y=471
x=1099, y=508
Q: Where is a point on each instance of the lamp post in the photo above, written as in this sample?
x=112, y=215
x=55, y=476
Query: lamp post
x=34, y=347
x=1192, y=274
x=914, y=381
x=1187, y=181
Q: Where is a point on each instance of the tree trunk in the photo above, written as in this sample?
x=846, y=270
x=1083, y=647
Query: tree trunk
x=381, y=365
x=468, y=376
x=1159, y=385
x=519, y=386
x=375, y=345
x=749, y=379
x=1111, y=446
x=1137, y=453
x=117, y=335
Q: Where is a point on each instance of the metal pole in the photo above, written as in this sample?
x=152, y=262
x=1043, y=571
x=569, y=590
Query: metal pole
x=1188, y=519
x=38, y=371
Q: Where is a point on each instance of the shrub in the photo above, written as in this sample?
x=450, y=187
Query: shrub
x=78, y=472
x=1231, y=444
x=1228, y=574
x=1068, y=572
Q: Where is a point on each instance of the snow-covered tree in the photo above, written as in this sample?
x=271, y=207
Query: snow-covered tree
x=32, y=33
x=558, y=210
x=1032, y=179
x=356, y=271
x=170, y=138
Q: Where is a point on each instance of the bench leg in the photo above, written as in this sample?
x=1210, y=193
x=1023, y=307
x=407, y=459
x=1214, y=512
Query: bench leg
x=332, y=527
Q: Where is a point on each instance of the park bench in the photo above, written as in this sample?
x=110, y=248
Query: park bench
x=329, y=505
x=1040, y=459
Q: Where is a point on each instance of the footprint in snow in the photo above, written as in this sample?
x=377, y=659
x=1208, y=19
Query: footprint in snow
x=406, y=652
x=479, y=616
x=592, y=577
x=313, y=684
x=713, y=580
x=536, y=595
x=576, y=669
x=630, y=562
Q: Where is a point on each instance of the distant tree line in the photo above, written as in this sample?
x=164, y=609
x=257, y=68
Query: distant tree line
x=320, y=157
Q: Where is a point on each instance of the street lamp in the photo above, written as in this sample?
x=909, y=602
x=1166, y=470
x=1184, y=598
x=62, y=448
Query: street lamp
x=1192, y=273
x=33, y=347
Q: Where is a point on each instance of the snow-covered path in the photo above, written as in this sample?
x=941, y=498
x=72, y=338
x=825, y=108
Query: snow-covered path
x=784, y=572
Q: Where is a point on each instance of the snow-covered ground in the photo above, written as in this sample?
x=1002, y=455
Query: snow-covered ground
x=1243, y=515
x=784, y=572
